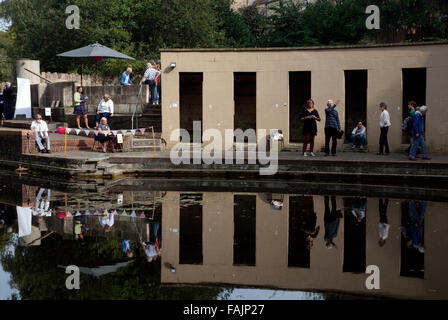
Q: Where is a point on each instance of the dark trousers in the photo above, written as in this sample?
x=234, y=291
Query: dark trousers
x=152, y=89
x=9, y=110
x=309, y=138
x=331, y=133
x=102, y=115
x=383, y=140
x=382, y=206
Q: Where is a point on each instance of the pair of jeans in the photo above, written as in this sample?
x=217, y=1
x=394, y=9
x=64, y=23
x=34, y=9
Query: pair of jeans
x=359, y=140
x=384, y=144
x=309, y=138
x=331, y=133
x=102, y=115
x=153, y=90
x=416, y=142
x=40, y=141
x=9, y=110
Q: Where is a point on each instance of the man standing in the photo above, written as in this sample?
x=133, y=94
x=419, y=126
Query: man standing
x=384, y=127
x=126, y=77
x=8, y=101
x=359, y=136
x=40, y=129
x=417, y=134
x=332, y=127
x=150, y=78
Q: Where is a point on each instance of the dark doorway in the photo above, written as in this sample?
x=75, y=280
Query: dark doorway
x=302, y=230
x=244, y=239
x=355, y=100
x=355, y=235
x=299, y=93
x=412, y=239
x=190, y=100
x=190, y=229
x=245, y=97
x=414, y=89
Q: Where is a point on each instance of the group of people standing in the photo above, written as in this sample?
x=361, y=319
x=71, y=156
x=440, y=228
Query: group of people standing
x=333, y=131
x=151, y=77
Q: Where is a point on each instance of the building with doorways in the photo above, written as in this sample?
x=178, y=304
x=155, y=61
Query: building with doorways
x=266, y=88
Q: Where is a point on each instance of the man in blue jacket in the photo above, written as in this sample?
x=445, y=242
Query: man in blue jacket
x=126, y=77
x=417, y=134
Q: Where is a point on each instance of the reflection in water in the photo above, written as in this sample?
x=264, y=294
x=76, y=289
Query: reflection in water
x=259, y=240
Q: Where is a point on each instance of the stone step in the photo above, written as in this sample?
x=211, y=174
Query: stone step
x=146, y=142
x=146, y=149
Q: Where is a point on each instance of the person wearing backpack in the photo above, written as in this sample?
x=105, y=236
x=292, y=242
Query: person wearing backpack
x=417, y=134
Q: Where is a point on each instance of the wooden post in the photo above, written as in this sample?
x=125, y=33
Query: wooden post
x=65, y=142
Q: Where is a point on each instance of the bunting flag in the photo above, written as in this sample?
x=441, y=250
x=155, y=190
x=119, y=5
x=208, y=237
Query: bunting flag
x=87, y=132
x=142, y=130
x=96, y=212
x=142, y=215
x=115, y=213
x=133, y=131
x=68, y=130
x=77, y=131
x=124, y=213
x=133, y=213
x=69, y=214
x=115, y=132
x=96, y=132
x=124, y=131
x=87, y=213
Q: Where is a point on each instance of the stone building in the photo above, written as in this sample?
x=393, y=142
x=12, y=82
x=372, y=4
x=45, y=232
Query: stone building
x=266, y=88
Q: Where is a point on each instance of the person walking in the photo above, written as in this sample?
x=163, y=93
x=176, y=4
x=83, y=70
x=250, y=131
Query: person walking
x=332, y=127
x=418, y=138
x=384, y=127
x=309, y=116
x=8, y=101
x=80, y=107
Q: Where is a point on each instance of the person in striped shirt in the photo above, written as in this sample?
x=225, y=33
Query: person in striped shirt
x=150, y=78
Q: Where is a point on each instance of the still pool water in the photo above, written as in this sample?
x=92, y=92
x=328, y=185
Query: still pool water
x=132, y=241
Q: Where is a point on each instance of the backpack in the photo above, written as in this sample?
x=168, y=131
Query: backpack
x=407, y=125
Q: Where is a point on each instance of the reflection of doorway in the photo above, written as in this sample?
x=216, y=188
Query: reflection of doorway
x=414, y=88
x=355, y=235
x=245, y=98
x=299, y=93
x=412, y=221
x=244, y=239
x=190, y=229
x=302, y=225
x=355, y=100
x=190, y=100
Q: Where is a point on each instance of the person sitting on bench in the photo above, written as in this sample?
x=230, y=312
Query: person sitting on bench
x=40, y=129
x=104, y=134
x=105, y=109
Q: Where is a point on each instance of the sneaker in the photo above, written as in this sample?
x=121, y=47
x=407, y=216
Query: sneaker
x=426, y=158
x=380, y=154
x=412, y=159
x=361, y=147
x=305, y=155
x=333, y=154
x=312, y=154
x=353, y=147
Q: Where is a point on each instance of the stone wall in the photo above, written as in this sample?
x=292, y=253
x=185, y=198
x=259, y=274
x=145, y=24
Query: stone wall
x=87, y=80
x=42, y=95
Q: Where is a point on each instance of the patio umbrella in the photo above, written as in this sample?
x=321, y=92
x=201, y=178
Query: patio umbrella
x=95, y=51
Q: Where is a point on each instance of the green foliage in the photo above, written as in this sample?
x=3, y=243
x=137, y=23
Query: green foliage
x=140, y=28
x=36, y=274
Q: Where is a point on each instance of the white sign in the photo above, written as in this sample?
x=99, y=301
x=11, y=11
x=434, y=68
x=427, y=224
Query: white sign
x=120, y=199
x=119, y=138
x=23, y=104
x=48, y=112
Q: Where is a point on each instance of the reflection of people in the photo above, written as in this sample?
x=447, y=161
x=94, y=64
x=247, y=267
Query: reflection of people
x=331, y=221
x=42, y=205
x=309, y=223
x=106, y=220
x=153, y=248
x=383, y=226
x=417, y=211
x=80, y=226
x=126, y=247
x=359, y=208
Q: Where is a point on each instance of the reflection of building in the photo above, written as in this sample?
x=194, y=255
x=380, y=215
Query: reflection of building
x=217, y=228
x=266, y=89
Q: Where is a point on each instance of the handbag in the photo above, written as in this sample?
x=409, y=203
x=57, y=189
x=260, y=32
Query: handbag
x=340, y=134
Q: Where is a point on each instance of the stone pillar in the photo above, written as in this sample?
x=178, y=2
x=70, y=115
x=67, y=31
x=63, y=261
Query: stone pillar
x=32, y=65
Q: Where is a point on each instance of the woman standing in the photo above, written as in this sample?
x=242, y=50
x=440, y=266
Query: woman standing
x=80, y=108
x=309, y=116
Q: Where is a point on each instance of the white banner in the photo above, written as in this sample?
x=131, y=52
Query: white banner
x=23, y=103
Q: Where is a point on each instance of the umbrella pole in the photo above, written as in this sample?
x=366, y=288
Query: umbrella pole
x=81, y=74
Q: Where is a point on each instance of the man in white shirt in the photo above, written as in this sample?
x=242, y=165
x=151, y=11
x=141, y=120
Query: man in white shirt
x=105, y=109
x=40, y=129
x=384, y=127
x=359, y=136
